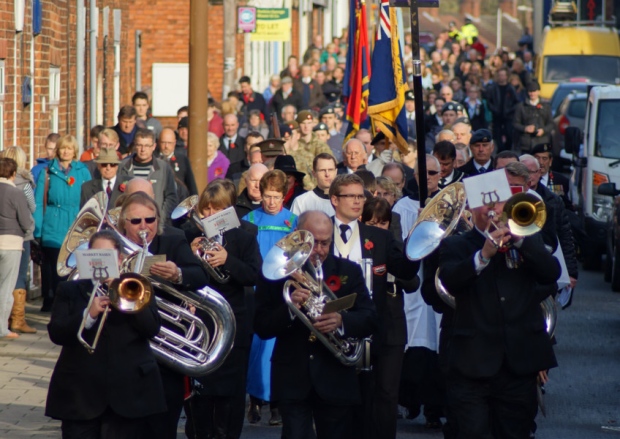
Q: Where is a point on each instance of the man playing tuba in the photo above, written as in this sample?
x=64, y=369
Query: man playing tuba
x=308, y=381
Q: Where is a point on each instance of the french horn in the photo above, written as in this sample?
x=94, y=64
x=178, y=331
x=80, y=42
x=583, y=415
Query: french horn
x=290, y=257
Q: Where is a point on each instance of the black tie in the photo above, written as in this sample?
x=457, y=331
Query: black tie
x=108, y=189
x=343, y=232
x=482, y=170
x=442, y=182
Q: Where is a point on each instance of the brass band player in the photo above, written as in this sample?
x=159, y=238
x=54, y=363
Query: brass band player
x=308, y=381
x=182, y=269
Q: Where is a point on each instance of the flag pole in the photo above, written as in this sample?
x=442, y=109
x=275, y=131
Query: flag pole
x=419, y=100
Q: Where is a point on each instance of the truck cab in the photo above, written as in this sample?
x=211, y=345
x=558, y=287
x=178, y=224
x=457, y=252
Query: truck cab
x=596, y=173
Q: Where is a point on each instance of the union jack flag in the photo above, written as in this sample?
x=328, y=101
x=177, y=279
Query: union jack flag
x=386, y=102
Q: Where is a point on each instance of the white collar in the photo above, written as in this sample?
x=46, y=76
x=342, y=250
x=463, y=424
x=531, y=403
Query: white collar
x=487, y=165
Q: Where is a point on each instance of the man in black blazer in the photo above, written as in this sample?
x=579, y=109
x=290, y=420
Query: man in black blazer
x=118, y=386
x=182, y=269
x=107, y=164
x=308, y=381
x=498, y=343
x=388, y=259
x=232, y=145
x=482, y=147
x=178, y=162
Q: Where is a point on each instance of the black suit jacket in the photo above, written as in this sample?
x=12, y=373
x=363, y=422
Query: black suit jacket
x=183, y=171
x=299, y=365
x=235, y=155
x=388, y=257
x=91, y=187
x=498, y=316
x=121, y=374
x=470, y=170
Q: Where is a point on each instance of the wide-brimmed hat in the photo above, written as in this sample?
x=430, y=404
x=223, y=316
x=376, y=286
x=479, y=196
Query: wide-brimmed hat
x=107, y=156
x=286, y=164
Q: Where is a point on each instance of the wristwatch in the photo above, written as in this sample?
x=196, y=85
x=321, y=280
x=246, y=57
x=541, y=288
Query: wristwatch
x=483, y=260
x=179, y=276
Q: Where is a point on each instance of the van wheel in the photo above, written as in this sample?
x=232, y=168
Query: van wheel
x=591, y=259
x=615, y=271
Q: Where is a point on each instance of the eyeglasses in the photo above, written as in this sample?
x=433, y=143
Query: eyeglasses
x=432, y=173
x=352, y=153
x=271, y=198
x=143, y=146
x=137, y=221
x=355, y=197
x=108, y=165
x=107, y=145
x=167, y=143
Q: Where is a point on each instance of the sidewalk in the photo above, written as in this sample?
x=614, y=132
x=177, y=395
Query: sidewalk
x=26, y=365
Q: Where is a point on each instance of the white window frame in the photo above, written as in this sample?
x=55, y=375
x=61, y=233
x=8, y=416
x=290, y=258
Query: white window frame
x=1, y=125
x=2, y=79
x=54, y=97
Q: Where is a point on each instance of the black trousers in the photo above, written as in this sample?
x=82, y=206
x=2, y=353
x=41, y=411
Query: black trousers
x=49, y=275
x=331, y=421
x=502, y=128
x=164, y=425
x=499, y=407
x=422, y=383
x=107, y=426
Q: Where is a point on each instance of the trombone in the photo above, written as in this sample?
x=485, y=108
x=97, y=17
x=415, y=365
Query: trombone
x=129, y=294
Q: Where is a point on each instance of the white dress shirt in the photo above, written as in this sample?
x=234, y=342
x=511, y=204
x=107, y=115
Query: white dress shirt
x=104, y=183
x=356, y=249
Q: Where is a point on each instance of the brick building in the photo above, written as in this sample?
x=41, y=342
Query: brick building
x=47, y=63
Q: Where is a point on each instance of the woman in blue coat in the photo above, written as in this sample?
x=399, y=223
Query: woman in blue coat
x=57, y=197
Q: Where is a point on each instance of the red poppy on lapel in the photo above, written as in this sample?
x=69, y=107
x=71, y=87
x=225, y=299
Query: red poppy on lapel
x=232, y=145
x=334, y=283
x=368, y=244
x=70, y=181
x=218, y=172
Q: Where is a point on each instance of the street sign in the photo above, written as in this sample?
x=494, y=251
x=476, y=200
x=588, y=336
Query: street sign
x=246, y=19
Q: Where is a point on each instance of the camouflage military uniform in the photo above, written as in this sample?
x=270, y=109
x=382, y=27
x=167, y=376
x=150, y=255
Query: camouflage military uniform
x=304, y=156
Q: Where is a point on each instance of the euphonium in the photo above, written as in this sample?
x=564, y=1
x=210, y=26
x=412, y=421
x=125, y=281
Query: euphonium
x=290, y=257
x=188, y=207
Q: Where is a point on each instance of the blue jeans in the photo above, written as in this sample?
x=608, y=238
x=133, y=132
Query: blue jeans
x=24, y=265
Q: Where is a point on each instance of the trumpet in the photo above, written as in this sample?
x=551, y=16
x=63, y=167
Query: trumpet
x=187, y=208
x=290, y=257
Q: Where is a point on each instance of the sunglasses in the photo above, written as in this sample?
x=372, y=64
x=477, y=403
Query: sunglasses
x=109, y=165
x=432, y=173
x=136, y=221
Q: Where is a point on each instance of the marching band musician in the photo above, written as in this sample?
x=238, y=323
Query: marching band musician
x=111, y=393
x=354, y=240
x=217, y=408
x=182, y=269
x=308, y=381
x=498, y=342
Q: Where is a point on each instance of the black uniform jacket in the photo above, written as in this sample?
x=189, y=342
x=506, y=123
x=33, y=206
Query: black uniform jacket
x=299, y=365
x=498, y=316
x=122, y=372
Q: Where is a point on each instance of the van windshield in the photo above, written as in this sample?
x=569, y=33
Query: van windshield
x=564, y=67
x=607, y=142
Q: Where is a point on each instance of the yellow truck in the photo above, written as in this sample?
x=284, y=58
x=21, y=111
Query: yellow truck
x=574, y=50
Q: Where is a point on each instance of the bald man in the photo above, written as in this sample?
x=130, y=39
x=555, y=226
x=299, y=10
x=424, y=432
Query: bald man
x=232, y=146
x=177, y=159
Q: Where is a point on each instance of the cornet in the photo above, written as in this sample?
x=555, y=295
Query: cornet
x=187, y=208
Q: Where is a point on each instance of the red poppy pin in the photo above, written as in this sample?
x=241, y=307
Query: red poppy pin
x=333, y=283
x=218, y=172
x=368, y=244
x=70, y=181
x=173, y=159
x=232, y=145
x=288, y=223
x=122, y=187
x=539, y=106
x=311, y=86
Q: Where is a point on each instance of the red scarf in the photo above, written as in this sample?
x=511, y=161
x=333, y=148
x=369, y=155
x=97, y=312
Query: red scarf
x=290, y=192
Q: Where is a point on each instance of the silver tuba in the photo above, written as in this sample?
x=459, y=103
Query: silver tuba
x=290, y=257
x=191, y=348
x=188, y=207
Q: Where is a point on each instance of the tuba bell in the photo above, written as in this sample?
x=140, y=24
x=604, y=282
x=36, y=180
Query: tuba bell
x=290, y=257
x=187, y=208
x=439, y=218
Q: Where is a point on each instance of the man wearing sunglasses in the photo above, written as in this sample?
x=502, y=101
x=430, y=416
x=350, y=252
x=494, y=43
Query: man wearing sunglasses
x=107, y=165
x=182, y=269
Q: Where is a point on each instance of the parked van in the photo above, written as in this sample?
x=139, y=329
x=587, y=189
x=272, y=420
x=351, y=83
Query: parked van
x=571, y=50
x=596, y=157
